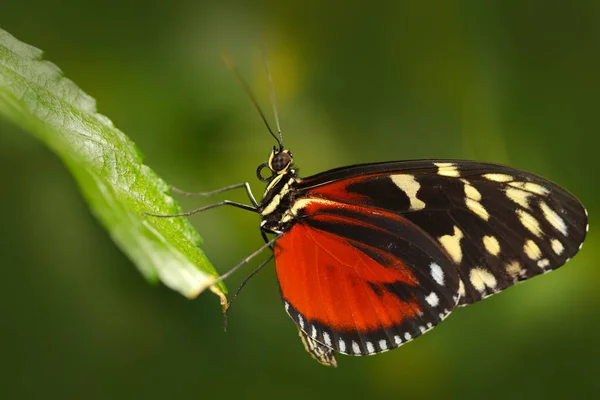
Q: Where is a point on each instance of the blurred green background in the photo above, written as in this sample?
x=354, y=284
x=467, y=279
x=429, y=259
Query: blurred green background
x=510, y=81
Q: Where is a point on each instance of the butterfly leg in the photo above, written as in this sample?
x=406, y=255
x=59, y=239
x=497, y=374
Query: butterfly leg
x=208, y=207
x=239, y=289
x=244, y=185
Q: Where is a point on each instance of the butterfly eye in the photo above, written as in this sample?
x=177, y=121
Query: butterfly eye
x=281, y=161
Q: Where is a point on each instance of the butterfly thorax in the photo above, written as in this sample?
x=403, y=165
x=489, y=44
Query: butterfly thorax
x=277, y=202
x=280, y=193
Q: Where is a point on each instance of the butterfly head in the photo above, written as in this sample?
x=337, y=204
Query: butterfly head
x=280, y=160
x=279, y=163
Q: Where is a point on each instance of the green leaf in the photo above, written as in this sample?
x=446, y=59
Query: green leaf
x=107, y=166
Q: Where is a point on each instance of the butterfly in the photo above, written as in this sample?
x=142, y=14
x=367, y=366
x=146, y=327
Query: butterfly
x=371, y=256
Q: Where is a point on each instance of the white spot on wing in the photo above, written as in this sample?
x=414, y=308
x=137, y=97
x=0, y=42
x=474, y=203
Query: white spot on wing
x=437, y=274
x=470, y=191
x=327, y=339
x=342, y=345
x=477, y=208
x=530, y=187
x=300, y=321
x=383, y=345
x=407, y=336
x=409, y=185
x=370, y=348
x=529, y=222
x=532, y=250
x=313, y=334
x=521, y=197
x=514, y=269
x=397, y=340
x=554, y=219
x=432, y=299
x=480, y=279
x=447, y=169
x=544, y=262
x=498, y=177
x=355, y=347
x=451, y=244
x=491, y=245
x=461, y=288
x=287, y=306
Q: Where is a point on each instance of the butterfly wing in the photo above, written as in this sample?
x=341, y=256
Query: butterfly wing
x=361, y=280
x=497, y=224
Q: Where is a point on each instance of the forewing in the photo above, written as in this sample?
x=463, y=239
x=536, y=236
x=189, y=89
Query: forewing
x=360, y=280
x=498, y=225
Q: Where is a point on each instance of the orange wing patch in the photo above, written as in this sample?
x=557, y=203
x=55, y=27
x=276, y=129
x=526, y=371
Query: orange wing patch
x=357, y=286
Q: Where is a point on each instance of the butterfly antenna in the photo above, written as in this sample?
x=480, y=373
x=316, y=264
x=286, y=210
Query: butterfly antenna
x=232, y=68
x=239, y=289
x=273, y=101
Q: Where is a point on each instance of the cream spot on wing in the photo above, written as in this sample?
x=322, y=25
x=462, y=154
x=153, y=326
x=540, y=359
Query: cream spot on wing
x=383, y=345
x=543, y=263
x=498, y=177
x=437, y=274
x=480, y=279
x=409, y=185
x=452, y=244
x=342, y=345
x=355, y=347
x=514, y=269
x=461, y=288
x=532, y=250
x=530, y=187
x=432, y=299
x=491, y=245
x=302, y=203
x=477, y=208
x=557, y=246
x=470, y=191
x=529, y=222
x=521, y=197
x=447, y=169
x=555, y=220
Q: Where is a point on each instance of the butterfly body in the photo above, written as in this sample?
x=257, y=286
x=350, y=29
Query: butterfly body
x=372, y=256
